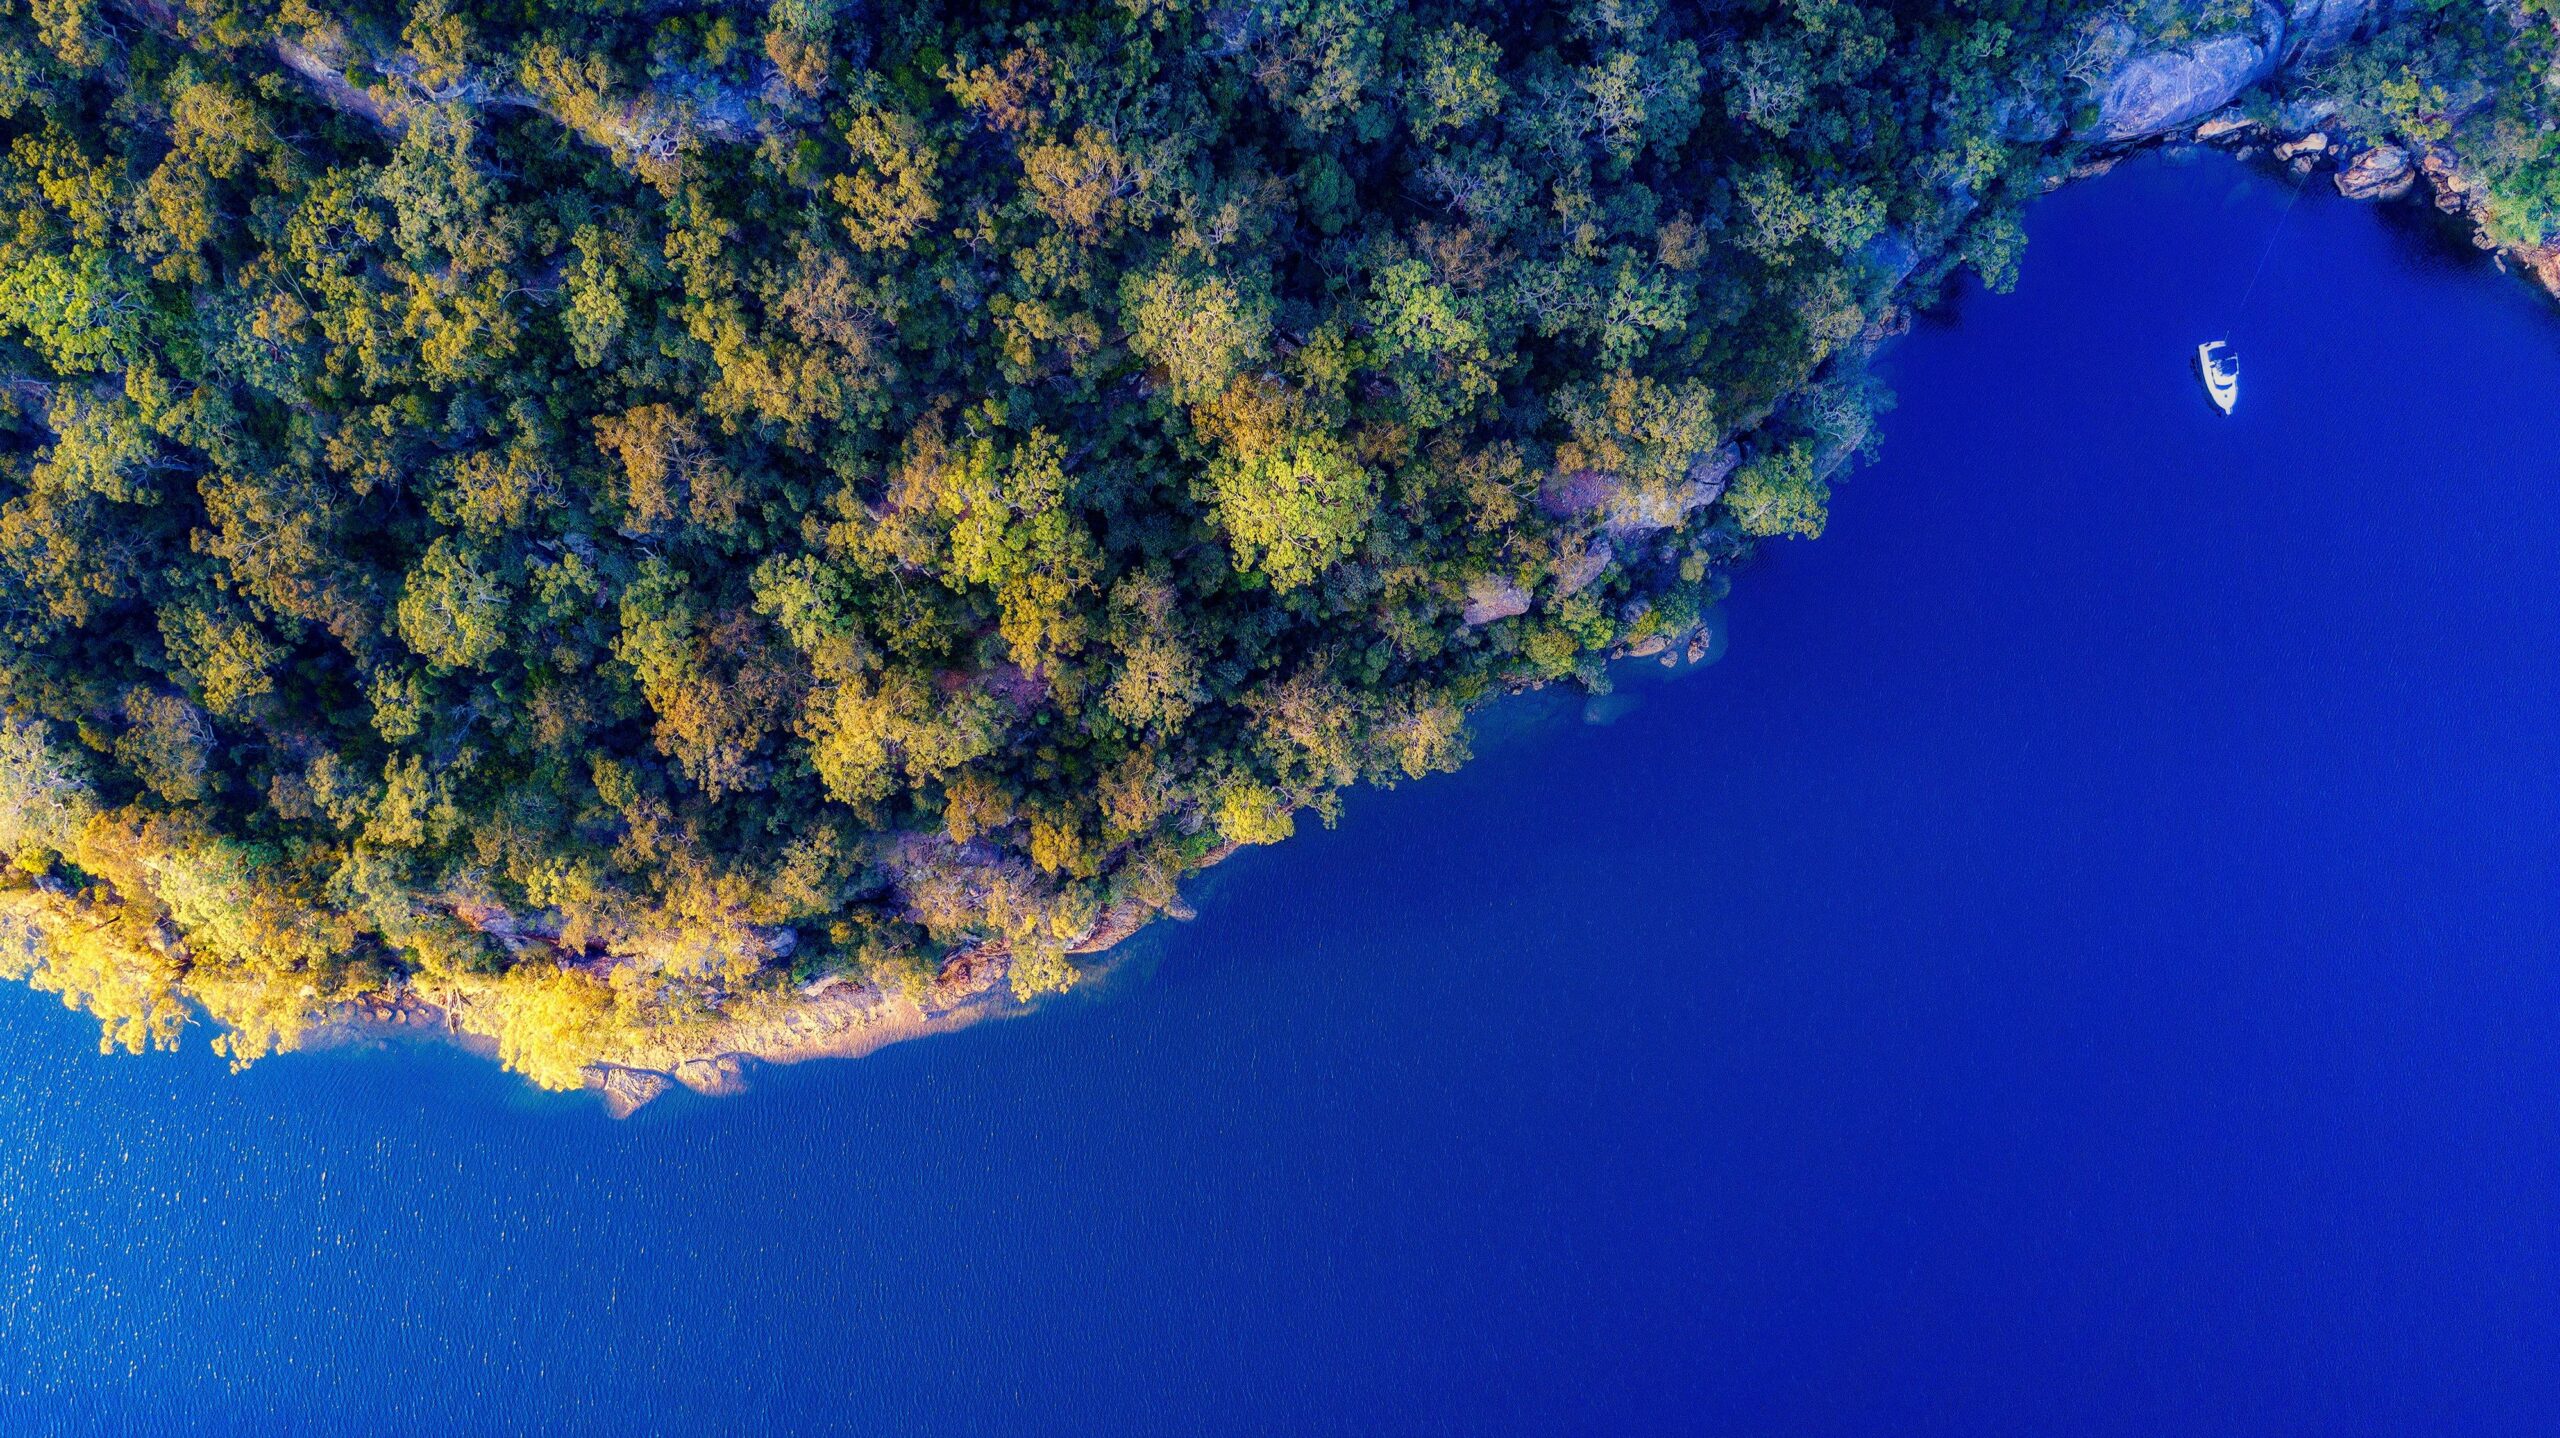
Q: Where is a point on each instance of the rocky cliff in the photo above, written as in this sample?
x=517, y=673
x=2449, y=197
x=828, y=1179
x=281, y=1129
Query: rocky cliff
x=2143, y=93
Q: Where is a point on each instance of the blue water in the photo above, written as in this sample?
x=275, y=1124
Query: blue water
x=2084, y=963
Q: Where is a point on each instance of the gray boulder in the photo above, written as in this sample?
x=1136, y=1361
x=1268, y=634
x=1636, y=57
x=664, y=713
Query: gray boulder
x=2163, y=90
x=2026, y=119
x=1625, y=510
x=1634, y=512
x=2156, y=91
x=1491, y=597
x=2304, y=113
x=1576, y=574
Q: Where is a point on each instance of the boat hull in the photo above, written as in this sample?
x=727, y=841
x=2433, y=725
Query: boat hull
x=2222, y=388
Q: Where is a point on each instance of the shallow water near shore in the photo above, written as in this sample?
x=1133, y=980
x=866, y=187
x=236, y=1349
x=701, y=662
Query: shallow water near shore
x=2084, y=962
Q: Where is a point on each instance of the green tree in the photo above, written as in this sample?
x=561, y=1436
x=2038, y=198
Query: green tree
x=453, y=608
x=1778, y=494
x=1203, y=329
x=45, y=799
x=1293, y=508
x=1455, y=82
x=1013, y=531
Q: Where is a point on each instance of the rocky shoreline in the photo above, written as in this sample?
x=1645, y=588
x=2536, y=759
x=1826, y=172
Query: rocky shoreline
x=2228, y=92
x=835, y=1016
x=831, y=1018
x=2234, y=92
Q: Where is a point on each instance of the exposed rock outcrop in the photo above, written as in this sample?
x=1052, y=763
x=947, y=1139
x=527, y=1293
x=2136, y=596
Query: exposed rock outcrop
x=720, y=1076
x=1493, y=596
x=2384, y=172
x=2227, y=125
x=626, y=1090
x=2443, y=170
x=2161, y=90
x=2153, y=92
x=1577, y=573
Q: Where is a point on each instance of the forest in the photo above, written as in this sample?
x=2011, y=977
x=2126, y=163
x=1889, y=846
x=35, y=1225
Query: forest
x=607, y=512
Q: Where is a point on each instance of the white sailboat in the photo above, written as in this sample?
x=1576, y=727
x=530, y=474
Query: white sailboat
x=2221, y=371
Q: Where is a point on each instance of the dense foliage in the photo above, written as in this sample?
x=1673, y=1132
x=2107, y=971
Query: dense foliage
x=2467, y=78
x=603, y=511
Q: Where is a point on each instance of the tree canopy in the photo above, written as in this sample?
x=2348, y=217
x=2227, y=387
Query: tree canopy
x=607, y=511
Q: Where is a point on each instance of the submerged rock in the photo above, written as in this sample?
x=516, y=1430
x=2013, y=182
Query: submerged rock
x=719, y=1077
x=626, y=1090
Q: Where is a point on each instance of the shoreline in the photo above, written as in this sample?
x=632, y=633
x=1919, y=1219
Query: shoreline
x=632, y=1009
x=834, y=1017
x=842, y=1017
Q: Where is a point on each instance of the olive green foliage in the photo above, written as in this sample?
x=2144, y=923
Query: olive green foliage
x=601, y=513
x=1778, y=493
x=2469, y=80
